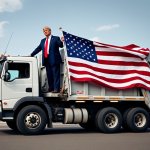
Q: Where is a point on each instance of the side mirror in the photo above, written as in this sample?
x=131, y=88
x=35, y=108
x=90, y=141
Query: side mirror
x=6, y=66
x=7, y=76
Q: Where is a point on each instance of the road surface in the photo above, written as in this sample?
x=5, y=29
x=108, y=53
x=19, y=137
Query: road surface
x=73, y=137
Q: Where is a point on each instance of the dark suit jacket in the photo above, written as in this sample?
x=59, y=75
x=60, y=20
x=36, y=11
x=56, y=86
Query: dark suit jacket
x=54, y=55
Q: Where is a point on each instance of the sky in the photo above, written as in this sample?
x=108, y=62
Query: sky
x=116, y=22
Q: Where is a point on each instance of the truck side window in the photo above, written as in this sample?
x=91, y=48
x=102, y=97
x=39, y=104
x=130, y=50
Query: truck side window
x=19, y=70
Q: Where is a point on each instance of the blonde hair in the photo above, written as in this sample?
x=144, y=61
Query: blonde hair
x=47, y=27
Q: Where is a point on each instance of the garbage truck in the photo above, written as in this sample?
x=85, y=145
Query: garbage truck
x=27, y=107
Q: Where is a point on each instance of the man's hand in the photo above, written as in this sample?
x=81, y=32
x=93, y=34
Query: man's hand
x=62, y=39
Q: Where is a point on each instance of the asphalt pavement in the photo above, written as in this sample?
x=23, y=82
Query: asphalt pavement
x=73, y=137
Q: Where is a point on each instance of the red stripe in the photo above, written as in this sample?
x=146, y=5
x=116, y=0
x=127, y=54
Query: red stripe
x=131, y=46
x=121, y=54
x=126, y=48
x=108, y=71
x=109, y=79
x=107, y=85
x=122, y=63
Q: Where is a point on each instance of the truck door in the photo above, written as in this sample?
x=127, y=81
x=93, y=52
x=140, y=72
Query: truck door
x=19, y=83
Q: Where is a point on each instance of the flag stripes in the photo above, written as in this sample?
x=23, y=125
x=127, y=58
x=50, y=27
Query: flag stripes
x=114, y=66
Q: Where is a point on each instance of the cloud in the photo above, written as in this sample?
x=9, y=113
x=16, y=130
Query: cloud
x=2, y=24
x=107, y=27
x=10, y=5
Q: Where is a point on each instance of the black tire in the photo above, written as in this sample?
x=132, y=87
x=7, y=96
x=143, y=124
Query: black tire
x=138, y=119
x=31, y=120
x=108, y=120
x=12, y=125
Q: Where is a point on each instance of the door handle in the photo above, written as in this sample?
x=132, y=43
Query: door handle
x=28, y=89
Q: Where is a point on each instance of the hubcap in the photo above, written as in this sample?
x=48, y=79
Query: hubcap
x=140, y=120
x=32, y=120
x=111, y=120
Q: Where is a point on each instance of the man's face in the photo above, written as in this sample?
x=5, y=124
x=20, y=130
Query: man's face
x=47, y=32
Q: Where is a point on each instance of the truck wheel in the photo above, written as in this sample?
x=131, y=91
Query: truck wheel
x=108, y=120
x=12, y=125
x=31, y=120
x=138, y=119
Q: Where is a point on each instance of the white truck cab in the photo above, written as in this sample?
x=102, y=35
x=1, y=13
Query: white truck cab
x=17, y=79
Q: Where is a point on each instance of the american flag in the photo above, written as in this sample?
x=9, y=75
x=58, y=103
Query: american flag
x=107, y=65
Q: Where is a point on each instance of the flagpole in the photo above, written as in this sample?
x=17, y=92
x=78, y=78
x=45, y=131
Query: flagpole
x=66, y=70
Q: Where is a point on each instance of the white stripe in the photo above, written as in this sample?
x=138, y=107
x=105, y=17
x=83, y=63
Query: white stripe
x=136, y=49
x=120, y=50
x=110, y=83
x=119, y=58
x=141, y=49
x=108, y=67
x=110, y=76
x=99, y=49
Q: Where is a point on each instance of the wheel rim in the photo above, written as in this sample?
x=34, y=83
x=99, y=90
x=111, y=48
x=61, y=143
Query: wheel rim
x=32, y=120
x=140, y=120
x=111, y=120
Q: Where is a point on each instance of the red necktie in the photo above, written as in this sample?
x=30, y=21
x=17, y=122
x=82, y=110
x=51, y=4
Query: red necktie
x=46, y=48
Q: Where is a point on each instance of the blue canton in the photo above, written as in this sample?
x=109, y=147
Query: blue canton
x=80, y=48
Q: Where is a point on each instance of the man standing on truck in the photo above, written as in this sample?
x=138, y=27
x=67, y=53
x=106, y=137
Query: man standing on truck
x=51, y=58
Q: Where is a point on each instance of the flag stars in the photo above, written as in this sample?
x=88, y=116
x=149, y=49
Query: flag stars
x=80, y=48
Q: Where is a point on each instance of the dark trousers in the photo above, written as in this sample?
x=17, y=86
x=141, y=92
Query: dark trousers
x=53, y=76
